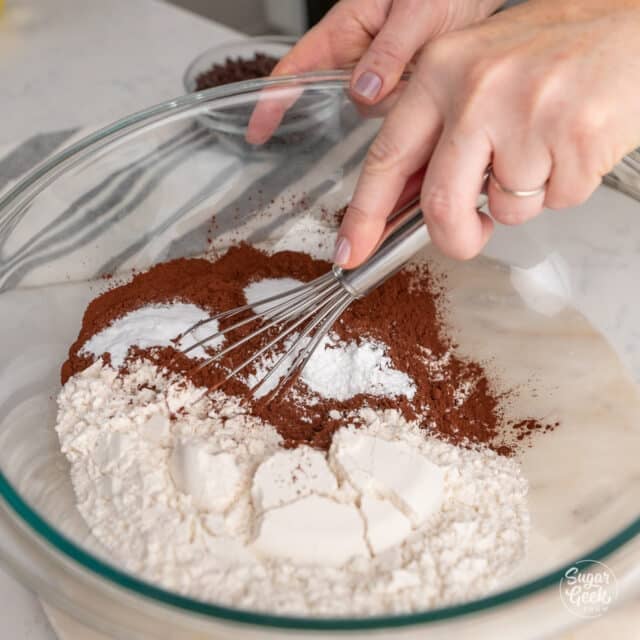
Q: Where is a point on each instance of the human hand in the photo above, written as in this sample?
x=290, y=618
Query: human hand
x=379, y=37
x=546, y=92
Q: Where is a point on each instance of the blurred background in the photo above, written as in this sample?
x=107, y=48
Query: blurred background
x=260, y=17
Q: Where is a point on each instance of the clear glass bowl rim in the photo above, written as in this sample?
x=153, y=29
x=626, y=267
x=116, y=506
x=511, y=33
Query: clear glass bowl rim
x=37, y=180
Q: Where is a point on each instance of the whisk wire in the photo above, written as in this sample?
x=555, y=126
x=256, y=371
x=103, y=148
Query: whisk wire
x=319, y=303
x=294, y=313
x=272, y=343
x=282, y=310
x=305, y=352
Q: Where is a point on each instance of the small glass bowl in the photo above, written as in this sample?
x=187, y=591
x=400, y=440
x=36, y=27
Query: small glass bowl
x=300, y=127
x=276, y=46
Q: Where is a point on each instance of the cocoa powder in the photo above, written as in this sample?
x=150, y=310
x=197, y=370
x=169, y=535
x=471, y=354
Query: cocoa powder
x=405, y=313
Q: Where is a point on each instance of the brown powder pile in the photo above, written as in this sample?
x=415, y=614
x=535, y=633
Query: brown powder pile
x=236, y=69
x=404, y=313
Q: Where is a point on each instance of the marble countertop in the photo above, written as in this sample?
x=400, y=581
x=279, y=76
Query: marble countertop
x=72, y=63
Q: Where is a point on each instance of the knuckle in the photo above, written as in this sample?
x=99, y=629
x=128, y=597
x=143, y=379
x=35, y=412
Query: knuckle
x=384, y=154
x=484, y=74
x=437, y=205
x=480, y=82
x=385, y=49
x=437, y=53
x=538, y=102
x=549, y=81
x=587, y=128
x=356, y=214
x=408, y=10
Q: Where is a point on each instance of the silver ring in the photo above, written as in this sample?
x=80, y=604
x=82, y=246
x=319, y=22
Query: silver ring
x=518, y=193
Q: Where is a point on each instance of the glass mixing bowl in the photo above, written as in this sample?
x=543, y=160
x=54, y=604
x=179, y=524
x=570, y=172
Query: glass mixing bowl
x=159, y=185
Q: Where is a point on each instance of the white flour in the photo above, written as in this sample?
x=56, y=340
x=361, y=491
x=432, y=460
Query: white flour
x=155, y=325
x=203, y=504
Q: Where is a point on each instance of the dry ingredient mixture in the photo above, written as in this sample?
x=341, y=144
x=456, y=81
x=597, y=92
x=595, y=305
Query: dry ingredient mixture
x=453, y=397
x=236, y=69
x=380, y=482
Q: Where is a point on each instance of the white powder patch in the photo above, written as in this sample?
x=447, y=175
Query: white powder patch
x=341, y=370
x=156, y=325
x=337, y=370
x=200, y=504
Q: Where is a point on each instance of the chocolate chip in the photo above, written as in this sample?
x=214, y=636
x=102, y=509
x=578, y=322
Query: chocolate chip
x=235, y=70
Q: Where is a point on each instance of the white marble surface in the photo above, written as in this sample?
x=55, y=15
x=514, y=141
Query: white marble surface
x=70, y=63
x=66, y=63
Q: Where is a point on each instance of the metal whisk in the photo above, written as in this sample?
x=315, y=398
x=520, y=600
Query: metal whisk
x=308, y=312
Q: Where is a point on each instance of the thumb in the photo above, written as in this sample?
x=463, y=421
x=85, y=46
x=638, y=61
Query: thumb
x=335, y=42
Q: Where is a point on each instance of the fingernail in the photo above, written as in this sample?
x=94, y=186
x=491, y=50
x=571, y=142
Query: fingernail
x=342, y=252
x=368, y=85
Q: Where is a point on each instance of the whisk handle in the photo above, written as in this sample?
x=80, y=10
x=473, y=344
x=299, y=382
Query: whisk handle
x=405, y=234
